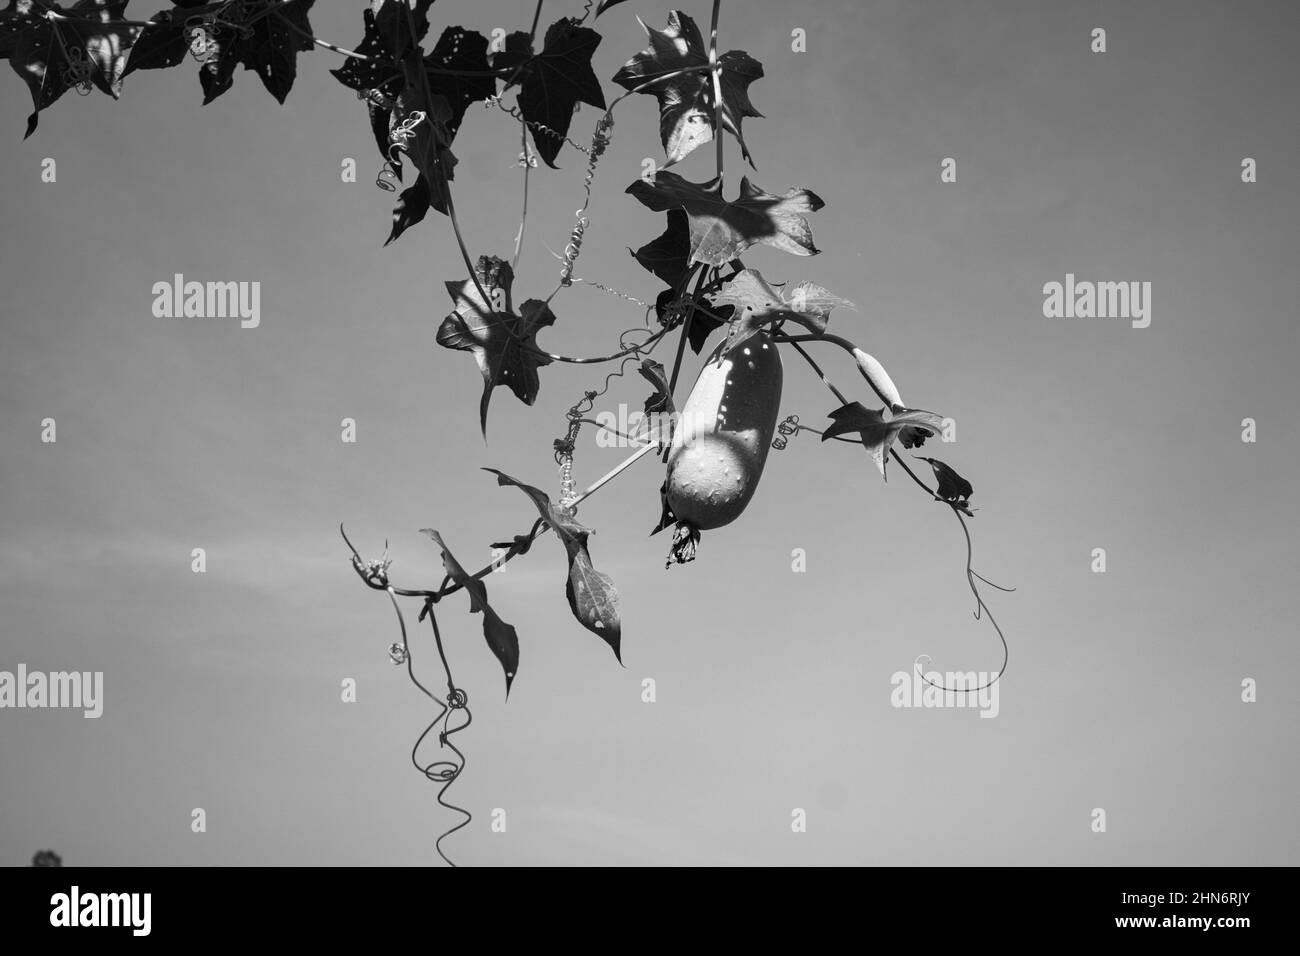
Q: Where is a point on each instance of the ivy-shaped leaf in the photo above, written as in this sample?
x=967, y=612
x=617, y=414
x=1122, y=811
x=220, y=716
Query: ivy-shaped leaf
x=500, y=636
x=270, y=49
x=876, y=431
x=758, y=304
x=503, y=344
x=54, y=56
x=721, y=231
x=592, y=597
x=417, y=128
x=460, y=52
x=554, y=81
x=387, y=39
x=669, y=255
x=686, y=104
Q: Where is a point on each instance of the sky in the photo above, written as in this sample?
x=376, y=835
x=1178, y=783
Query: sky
x=222, y=690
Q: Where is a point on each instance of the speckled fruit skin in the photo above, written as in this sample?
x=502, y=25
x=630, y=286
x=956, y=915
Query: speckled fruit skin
x=721, y=441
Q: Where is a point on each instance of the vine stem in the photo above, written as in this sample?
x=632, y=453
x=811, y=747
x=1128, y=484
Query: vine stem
x=717, y=88
x=294, y=28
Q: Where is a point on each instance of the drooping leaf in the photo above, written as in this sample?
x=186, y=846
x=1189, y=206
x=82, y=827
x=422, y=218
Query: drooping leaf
x=163, y=43
x=758, y=305
x=500, y=636
x=876, y=431
x=417, y=128
x=952, y=487
x=552, y=82
x=721, y=231
x=592, y=597
x=54, y=56
x=501, y=341
x=686, y=103
x=270, y=49
x=411, y=206
x=661, y=402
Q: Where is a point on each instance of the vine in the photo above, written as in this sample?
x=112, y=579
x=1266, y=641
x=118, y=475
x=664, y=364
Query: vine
x=416, y=101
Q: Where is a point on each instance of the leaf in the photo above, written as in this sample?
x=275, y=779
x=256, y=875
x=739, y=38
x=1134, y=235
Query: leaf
x=554, y=81
x=758, y=304
x=417, y=127
x=271, y=50
x=500, y=636
x=661, y=402
x=876, y=431
x=162, y=44
x=668, y=256
x=686, y=105
x=666, y=516
x=721, y=231
x=411, y=206
x=702, y=324
x=592, y=596
x=605, y=5
x=459, y=49
x=386, y=41
x=47, y=55
x=953, y=488
x=501, y=341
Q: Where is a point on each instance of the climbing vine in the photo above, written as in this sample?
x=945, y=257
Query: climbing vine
x=417, y=92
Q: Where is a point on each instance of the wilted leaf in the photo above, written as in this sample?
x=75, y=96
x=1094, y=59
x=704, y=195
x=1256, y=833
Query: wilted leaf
x=592, y=596
x=686, y=104
x=758, y=304
x=721, y=231
x=952, y=487
x=504, y=344
x=554, y=81
x=876, y=431
x=500, y=636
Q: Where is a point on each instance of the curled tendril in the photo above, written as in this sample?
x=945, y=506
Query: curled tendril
x=386, y=179
x=788, y=427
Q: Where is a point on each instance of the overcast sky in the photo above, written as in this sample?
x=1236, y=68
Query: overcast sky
x=773, y=687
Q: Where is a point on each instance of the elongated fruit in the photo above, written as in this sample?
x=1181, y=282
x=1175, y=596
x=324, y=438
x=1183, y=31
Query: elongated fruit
x=720, y=444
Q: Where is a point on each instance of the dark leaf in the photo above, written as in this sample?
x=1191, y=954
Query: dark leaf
x=876, y=431
x=721, y=231
x=501, y=341
x=666, y=516
x=554, y=81
x=410, y=209
x=605, y=5
x=952, y=486
x=758, y=305
x=460, y=50
x=271, y=50
x=686, y=104
x=592, y=596
x=661, y=402
x=500, y=636
x=668, y=256
x=48, y=55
